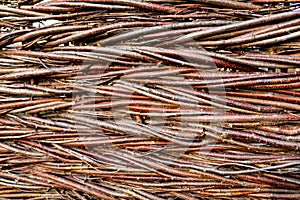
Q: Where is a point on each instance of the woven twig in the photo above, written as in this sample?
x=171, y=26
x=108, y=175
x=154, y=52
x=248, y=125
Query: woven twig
x=154, y=99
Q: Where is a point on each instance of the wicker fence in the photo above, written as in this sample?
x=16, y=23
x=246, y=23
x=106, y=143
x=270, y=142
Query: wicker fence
x=153, y=99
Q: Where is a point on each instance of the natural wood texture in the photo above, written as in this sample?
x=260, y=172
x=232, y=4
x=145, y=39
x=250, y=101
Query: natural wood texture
x=153, y=99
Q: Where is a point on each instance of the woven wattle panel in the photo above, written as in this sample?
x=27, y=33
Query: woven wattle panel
x=157, y=99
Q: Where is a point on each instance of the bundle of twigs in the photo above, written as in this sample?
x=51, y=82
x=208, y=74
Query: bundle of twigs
x=154, y=99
